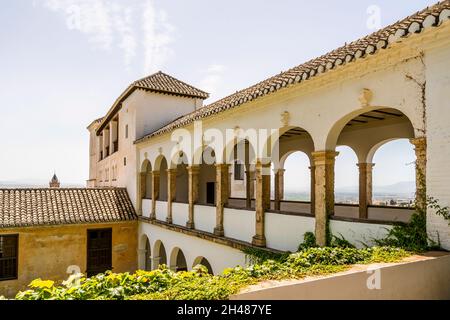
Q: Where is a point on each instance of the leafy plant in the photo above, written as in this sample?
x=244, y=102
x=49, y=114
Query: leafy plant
x=309, y=241
x=163, y=284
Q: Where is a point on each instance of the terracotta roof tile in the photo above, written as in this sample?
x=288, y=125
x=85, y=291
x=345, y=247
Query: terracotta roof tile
x=38, y=207
x=371, y=44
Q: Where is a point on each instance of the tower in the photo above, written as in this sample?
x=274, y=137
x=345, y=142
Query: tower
x=54, y=183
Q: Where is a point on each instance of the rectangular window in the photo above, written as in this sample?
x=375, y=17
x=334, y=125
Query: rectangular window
x=8, y=257
x=126, y=131
x=124, y=161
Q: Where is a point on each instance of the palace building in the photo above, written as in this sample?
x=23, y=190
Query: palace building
x=193, y=181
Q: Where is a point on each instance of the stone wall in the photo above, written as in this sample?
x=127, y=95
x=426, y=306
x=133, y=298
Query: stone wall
x=47, y=252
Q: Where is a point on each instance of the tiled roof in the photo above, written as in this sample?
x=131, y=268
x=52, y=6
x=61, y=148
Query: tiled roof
x=39, y=207
x=163, y=83
x=160, y=83
x=369, y=45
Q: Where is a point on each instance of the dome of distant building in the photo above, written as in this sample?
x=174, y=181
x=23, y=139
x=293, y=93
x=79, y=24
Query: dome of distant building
x=54, y=183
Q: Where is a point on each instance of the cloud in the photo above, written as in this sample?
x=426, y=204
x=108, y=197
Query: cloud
x=157, y=37
x=212, y=79
x=110, y=24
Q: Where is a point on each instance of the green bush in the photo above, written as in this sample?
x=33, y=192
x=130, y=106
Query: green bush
x=164, y=284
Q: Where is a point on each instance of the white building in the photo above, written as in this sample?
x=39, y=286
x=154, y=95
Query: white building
x=392, y=84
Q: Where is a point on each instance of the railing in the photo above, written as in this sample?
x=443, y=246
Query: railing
x=239, y=224
x=161, y=210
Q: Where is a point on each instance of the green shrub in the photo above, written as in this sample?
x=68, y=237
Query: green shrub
x=164, y=284
x=309, y=241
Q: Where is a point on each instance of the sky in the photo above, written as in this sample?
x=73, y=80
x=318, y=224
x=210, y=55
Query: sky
x=64, y=62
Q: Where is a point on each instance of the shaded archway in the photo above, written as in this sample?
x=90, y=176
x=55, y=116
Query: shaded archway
x=145, y=257
x=163, y=180
x=178, y=260
x=160, y=257
x=364, y=133
x=242, y=174
x=207, y=178
x=291, y=140
x=180, y=164
x=204, y=262
x=146, y=180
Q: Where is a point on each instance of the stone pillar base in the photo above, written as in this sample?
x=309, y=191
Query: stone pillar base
x=218, y=231
x=153, y=216
x=169, y=220
x=190, y=225
x=259, y=241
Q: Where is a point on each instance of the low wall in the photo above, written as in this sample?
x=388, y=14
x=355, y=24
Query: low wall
x=146, y=207
x=205, y=218
x=285, y=232
x=161, y=210
x=180, y=213
x=359, y=234
x=419, y=278
x=239, y=224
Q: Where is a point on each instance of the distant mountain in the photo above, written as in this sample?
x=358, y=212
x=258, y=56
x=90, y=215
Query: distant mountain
x=404, y=187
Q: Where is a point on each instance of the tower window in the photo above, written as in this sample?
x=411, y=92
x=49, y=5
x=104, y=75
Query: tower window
x=126, y=131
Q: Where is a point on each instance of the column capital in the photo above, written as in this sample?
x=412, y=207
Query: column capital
x=279, y=171
x=322, y=157
x=171, y=171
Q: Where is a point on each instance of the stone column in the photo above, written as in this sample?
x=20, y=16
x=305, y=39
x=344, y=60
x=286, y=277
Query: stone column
x=155, y=192
x=142, y=190
x=248, y=187
x=222, y=182
x=365, y=188
x=313, y=189
x=193, y=172
x=279, y=187
x=262, y=202
x=324, y=192
x=171, y=192
x=420, y=148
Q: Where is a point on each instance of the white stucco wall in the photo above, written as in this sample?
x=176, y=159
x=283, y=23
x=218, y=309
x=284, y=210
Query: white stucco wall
x=438, y=138
x=219, y=256
x=180, y=213
x=146, y=207
x=285, y=232
x=357, y=233
x=239, y=224
x=161, y=210
x=205, y=218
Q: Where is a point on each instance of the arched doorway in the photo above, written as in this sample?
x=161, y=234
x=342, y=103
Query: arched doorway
x=160, y=254
x=204, y=262
x=178, y=260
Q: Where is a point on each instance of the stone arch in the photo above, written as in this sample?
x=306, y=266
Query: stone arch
x=204, y=262
x=336, y=130
x=145, y=253
x=286, y=139
x=163, y=166
x=180, y=163
x=207, y=177
x=146, y=180
x=159, y=254
x=178, y=260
